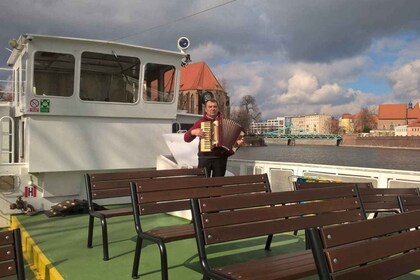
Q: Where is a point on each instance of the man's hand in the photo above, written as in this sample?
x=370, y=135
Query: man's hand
x=239, y=142
x=198, y=132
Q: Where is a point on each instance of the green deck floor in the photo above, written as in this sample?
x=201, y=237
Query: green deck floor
x=63, y=241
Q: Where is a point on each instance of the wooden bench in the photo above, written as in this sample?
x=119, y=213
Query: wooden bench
x=11, y=257
x=310, y=185
x=375, y=200
x=384, y=200
x=234, y=218
x=165, y=195
x=409, y=203
x=381, y=248
x=103, y=186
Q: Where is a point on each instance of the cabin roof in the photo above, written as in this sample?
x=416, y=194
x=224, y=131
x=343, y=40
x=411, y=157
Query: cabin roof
x=27, y=38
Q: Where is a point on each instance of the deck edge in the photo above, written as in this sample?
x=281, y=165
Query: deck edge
x=38, y=262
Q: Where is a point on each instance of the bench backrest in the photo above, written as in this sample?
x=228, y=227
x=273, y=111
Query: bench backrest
x=174, y=194
x=243, y=216
x=310, y=185
x=381, y=248
x=409, y=203
x=385, y=200
x=117, y=184
x=11, y=257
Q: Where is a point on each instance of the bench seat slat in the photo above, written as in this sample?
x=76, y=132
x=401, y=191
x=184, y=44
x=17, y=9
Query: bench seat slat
x=200, y=192
x=7, y=252
x=133, y=175
x=7, y=268
x=6, y=237
x=111, y=193
x=173, y=233
x=366, y=251
x=379, y=199
x=310, y=185
x=109, y=185
x=283, y=211
x=114, y=212
x=253, y=229
x=388, y=191
x=355, y=232
x=290, y=266
x=154, y=208
x=388, y=269
x=168, y=184
x=227, y=203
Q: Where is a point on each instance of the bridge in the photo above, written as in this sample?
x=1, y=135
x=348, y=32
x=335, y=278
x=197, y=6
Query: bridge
x=279, y=134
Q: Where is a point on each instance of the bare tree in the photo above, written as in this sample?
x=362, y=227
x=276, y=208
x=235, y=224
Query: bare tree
x=247, y=112
x=365, y=121
x=334, y=127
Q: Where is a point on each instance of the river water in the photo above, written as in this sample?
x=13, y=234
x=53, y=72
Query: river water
x=386, y=158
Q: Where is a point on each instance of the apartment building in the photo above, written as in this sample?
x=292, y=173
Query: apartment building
x=311, y=124
x=279, y=123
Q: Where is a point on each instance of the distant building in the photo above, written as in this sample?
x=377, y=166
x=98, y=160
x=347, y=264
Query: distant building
x=413, y=129
x=346, y=123
x=311, y=124
x=279, y=123
x=392, y=115
x=401, y=130
x=196, y=83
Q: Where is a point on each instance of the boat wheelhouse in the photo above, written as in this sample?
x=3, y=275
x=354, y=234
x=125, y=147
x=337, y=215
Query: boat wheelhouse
x=80, y=106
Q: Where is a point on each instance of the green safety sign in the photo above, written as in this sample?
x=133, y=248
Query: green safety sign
x=45, y=106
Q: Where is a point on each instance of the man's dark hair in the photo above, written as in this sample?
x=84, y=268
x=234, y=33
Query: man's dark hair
x=211, y=100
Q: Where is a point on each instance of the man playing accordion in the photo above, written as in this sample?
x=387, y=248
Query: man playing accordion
x=219, y=139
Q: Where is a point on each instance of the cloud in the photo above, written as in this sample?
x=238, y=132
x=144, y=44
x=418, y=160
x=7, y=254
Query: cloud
x=293, y=56
x=326, y=30
x=406, y=82
x=299, y=88
x=208, y=52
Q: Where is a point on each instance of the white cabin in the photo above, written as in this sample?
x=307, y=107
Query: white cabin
x=82, y=106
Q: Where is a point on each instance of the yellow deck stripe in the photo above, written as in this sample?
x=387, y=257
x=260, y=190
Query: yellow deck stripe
x=39, y=263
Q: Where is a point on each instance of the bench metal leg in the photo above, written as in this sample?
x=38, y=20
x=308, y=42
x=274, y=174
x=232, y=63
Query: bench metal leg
x=105, y=238
x=163, y=260
x=268, y=242
x=307, y=240
x=135, y=271
x=90, y=231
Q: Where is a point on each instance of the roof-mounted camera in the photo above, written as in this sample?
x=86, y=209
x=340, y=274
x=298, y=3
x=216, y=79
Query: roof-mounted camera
x=183, y=44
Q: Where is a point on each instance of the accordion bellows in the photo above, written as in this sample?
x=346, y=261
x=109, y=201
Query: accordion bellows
x=221, y=134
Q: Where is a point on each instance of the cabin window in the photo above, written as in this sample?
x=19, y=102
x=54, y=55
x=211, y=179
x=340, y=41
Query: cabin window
x=159, y=83
x=192, y=107
x=109, y=77
x=53, y=74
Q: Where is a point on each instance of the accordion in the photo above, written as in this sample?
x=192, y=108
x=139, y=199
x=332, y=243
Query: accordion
x=221, y=134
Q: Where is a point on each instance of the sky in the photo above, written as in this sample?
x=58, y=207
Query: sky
x=295, y=57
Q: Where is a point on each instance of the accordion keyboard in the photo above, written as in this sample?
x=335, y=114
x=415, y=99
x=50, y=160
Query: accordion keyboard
x=210, y=139
x=205, y=142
